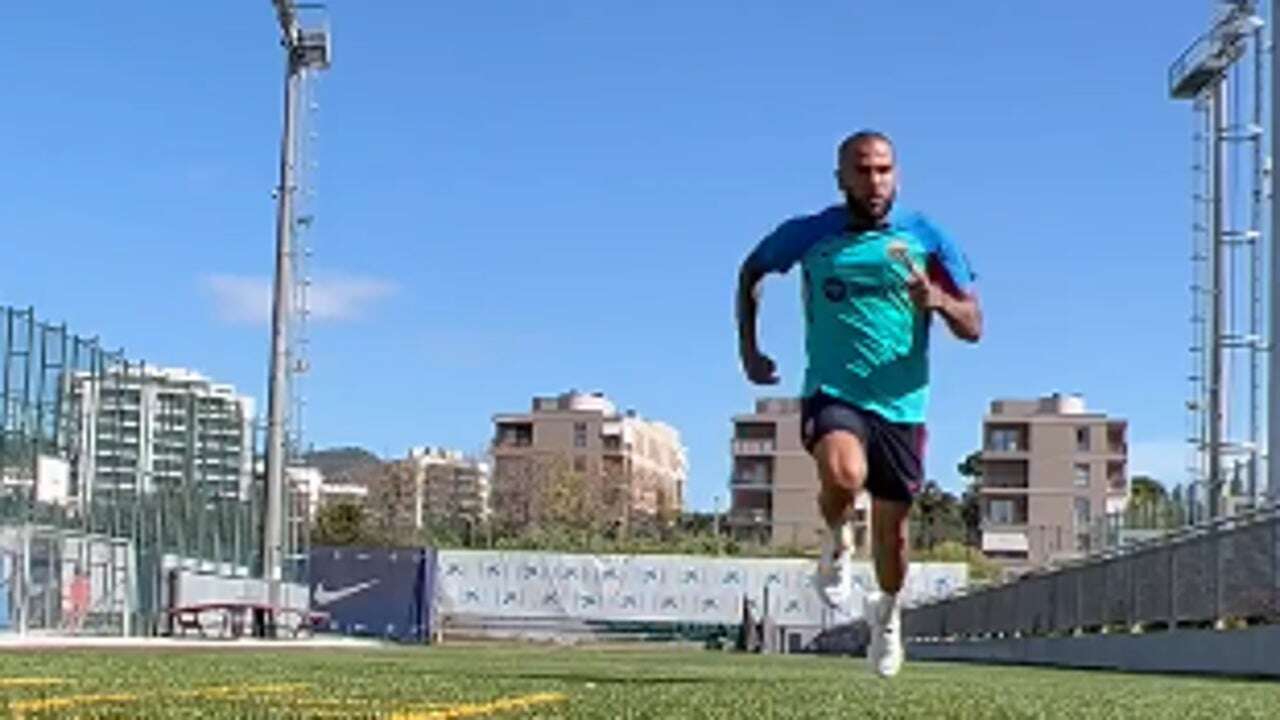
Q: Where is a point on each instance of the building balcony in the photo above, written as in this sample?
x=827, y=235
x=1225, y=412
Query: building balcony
x=752, y=517
x=754, y=447
x=751, y=482
x=1011, y=542
x=1011, y=490
x=1006, y=452
x=1004, y=525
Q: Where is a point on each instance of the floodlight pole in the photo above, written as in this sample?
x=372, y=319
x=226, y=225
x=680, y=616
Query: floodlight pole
x=304, y=50
x=1273, y=321
x=1217, y=96
x=281, y=310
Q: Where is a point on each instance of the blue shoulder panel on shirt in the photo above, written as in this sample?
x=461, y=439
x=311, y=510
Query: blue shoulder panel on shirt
x=783, y=247
x=942, y=249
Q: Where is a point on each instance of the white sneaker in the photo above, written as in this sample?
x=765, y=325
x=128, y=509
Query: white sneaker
x=884, y=652
x=834, y=578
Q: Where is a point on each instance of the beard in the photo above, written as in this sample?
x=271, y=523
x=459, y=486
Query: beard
x=865, y=212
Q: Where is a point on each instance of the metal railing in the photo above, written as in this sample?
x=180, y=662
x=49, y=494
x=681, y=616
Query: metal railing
x=1205, y=575
x=763, y=446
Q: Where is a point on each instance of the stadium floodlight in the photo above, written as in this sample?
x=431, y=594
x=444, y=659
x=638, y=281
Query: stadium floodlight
x=305, y=49
x=1213, y=53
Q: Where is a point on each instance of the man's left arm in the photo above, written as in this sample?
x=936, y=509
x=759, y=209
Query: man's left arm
x=963, y=314
x=945, y=285
x=960, y=309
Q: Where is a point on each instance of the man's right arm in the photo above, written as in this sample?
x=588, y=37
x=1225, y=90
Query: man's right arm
x=759, y=368
x=776, y=253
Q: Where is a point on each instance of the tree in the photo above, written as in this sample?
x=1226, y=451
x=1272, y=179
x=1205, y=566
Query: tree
x=971, y=466
x=970, y=502
x=936, y=517
x=540, y=496
x=1144, y=489
x=339, y=523
x=392, y=502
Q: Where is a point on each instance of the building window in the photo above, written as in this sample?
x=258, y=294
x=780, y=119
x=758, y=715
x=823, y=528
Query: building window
x=1000, y=512
x=1082, y=474
x=1083, y=514
x=1005, y=440
x=579, y=463
x=580, y=434
x=1082, y=439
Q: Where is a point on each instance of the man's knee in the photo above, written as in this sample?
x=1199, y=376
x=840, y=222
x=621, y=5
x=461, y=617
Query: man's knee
x=851, y=473
x=843, y=462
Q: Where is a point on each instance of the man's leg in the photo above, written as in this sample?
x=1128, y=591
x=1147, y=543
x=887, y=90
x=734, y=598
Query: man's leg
x=897, y=470
x=889, y=548
x=842, y=470
x=889, y=522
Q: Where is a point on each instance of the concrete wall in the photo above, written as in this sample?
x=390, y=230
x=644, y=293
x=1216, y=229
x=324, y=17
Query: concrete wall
x=1247, y=652
x=795, y=489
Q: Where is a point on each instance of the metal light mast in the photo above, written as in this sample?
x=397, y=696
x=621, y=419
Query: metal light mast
x=1202, y=74
x=306, y=49
x=1273, y=320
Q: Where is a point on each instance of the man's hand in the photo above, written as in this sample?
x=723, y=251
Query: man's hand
x=759, y=367
x=925, y=293
x=963, y=315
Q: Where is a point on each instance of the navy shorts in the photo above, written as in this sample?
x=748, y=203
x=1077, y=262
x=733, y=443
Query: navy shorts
x=895, y=451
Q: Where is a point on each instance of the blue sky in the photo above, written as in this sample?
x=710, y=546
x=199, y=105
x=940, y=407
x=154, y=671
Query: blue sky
x=519, y=198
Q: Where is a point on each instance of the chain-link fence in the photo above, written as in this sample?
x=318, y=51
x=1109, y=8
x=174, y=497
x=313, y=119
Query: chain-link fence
x=99, y=452
x=64, y=581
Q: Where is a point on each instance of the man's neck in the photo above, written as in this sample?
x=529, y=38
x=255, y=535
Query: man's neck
x=860, y=221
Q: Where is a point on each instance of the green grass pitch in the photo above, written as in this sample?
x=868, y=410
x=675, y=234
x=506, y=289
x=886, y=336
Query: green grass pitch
x=444, y=683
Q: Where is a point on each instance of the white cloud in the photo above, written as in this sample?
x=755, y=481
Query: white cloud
x=239, y=299
x=346, y=298
x=1164, y=460
x=246, y=299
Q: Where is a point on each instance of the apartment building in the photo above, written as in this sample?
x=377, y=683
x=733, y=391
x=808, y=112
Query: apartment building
x=587, y=434
x=142, y=428
x=773, y=484
x=314, y=490
x=1051, y=471
x=449, y=484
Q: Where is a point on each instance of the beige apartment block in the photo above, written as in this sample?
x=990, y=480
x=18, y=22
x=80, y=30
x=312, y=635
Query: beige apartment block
x=1050, y=470
x=449, y=484
x=773, y=482
x=585, y=433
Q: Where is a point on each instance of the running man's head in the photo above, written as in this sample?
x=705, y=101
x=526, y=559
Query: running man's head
x=866, y=174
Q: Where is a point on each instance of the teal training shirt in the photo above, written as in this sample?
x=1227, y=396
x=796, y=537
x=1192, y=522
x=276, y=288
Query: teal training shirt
x=866, y=343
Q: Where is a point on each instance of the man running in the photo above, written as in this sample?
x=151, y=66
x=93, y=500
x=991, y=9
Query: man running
x=874, y=276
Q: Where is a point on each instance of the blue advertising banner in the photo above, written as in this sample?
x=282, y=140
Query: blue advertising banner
x=377, y=592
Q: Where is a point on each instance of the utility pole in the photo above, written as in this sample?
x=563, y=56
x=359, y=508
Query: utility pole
x=305, y=49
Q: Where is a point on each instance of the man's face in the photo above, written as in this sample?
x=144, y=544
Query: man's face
x=867, y=177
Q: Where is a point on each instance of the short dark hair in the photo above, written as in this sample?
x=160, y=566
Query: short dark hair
x=860, y=137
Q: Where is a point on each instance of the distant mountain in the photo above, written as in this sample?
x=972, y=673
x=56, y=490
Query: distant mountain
x=343, y=464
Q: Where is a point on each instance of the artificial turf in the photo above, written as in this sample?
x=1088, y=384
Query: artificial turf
x=441, y=683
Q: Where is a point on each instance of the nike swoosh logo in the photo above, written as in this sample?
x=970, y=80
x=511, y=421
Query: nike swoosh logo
x=328, y=597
